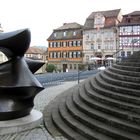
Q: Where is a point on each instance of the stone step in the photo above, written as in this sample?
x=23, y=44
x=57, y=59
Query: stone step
x=76, y=125
x=124, y=72
x=54, y=123
x=121, y=77
x=120, y=104
x=113, y=81
x=47, y=115
x=64, y=128
x=127, y=63
x=133, y=59
x=93, y=128
x=60, y=124
x=106, y=122
x=123, y=114
x=127, y=68
x=112, y=94
x=116, y=88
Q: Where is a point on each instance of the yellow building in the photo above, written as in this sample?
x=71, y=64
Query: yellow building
x=65, y=47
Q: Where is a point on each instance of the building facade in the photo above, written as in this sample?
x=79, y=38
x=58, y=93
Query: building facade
x=129, y=34
x=100, y=35
x=65, y=46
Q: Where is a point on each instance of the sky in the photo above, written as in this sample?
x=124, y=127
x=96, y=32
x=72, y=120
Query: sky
x=43, y=16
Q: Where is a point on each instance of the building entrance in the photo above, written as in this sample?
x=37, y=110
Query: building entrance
x=64, y=67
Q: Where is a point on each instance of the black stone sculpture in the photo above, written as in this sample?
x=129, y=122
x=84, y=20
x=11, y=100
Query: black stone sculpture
x=18, y=85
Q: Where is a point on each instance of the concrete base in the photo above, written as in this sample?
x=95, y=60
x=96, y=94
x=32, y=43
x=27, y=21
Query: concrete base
x=25, y=123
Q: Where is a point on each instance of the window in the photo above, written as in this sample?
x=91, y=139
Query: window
x=70, y=43
x=99, y=46
x=128, y=53
x=87, y=58
x=64, y=54
x=74, y=54
x=64, y=44
x=58, y=44
x=78, y=43
x=122, y=53
x=78, y=54
x=50, y=44
x=54, y=44
x=92, y=46
x=70, y=54
x=74, y=43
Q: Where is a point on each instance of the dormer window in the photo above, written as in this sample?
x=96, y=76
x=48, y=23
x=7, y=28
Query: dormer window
x=54, y=34
x=74, y=33
x=64, y=33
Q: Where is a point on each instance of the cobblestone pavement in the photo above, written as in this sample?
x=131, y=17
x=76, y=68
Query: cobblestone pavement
x=41, y=100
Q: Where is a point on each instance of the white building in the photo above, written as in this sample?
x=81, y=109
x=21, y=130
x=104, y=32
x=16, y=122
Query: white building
x=100, y=34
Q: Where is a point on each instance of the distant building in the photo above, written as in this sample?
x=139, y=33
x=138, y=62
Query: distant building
x=3, y=58
x=1, y=29
x=129, y=34
x=65, y=47
x=37, y=54
x=100, y=34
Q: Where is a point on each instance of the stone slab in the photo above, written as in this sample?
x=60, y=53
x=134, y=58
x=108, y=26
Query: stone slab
x=30, y=121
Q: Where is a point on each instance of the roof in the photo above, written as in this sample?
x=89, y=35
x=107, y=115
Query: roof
x=67, y=26
x=110, y=18
x=135, y=13
x=131, y=19
x=69, y=29
x=109, y=13
x=34, y=50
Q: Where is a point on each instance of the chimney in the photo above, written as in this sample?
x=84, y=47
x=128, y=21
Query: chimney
x=64, y=23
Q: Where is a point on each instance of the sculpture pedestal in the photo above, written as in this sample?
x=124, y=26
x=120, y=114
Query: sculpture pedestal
x=21, y=124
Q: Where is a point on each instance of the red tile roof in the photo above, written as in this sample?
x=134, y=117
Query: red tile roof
x=34, y=50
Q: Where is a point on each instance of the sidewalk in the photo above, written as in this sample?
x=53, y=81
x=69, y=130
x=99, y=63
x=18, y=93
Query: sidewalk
x=41, y=100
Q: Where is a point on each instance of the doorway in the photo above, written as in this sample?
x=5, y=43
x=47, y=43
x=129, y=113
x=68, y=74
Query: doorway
x=64, y=67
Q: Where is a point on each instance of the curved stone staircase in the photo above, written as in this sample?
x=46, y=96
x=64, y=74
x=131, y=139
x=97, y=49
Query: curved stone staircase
x=103, y=107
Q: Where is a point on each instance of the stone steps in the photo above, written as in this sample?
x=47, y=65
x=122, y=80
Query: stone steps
x=103, y=107
x=128, y=98
x=120, y=113
x=124, y=72
x=128, y=63
x=115, y=88
x=64, y=128
x=106, y=123
x=56, y=125
x=114, y=81
x=121, y=77
x=76, y=124
x=125, y=67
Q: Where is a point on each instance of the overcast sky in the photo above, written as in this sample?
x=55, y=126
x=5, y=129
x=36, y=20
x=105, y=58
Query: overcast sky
x=42, y=16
